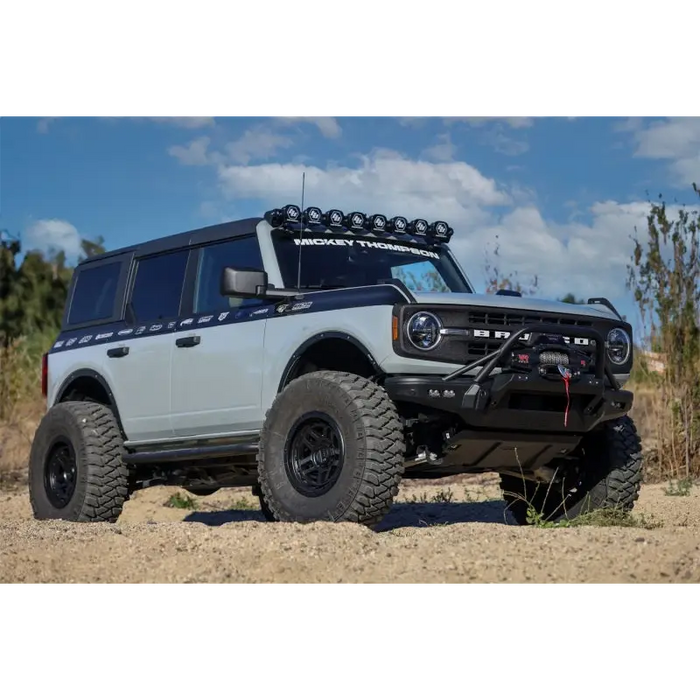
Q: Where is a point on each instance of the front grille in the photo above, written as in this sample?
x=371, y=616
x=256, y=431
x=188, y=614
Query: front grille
x=501, y=318
x=468, y=349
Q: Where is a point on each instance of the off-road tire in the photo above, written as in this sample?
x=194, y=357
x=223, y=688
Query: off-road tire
x=608, y=476
x=373, y=448
x=101, y=477
x=269, y=515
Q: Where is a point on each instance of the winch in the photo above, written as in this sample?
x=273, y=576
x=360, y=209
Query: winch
x=548, y=353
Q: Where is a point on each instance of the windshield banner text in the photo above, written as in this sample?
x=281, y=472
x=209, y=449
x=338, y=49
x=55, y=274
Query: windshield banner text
x=368, y=244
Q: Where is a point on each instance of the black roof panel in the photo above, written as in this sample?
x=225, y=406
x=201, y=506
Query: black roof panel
x=230, y=229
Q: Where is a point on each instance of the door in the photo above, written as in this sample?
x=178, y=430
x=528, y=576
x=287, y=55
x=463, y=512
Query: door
x=216, y=372
x=140, y=372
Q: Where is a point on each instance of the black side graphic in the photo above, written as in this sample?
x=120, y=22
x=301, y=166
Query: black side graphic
x=308, y=302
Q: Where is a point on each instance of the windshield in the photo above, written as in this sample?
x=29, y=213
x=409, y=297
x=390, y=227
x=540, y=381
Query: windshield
x=342, y=261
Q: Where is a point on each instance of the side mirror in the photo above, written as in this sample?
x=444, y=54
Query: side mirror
x=242, y=282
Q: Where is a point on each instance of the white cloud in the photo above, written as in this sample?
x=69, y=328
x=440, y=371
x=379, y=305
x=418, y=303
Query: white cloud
x=413, y=122
x=444, y=150
x=328, y=126
x=195, y=153
x=383, y=180
x=256, y=143
x=512, y=122
x=676, y=140
x=42, y=125
x=48, y=235
x=515, y=121
x=587, y=259
x=503, y=143
x=583, y=258
x=186, y=121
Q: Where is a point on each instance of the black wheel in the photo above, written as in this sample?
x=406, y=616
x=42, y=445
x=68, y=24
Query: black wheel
x=75, y=466
x=608, y=475
x=332, y=448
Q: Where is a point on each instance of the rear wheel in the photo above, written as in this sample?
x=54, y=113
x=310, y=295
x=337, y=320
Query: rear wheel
x=331, y=448
x=608, y=476
x=76, y=470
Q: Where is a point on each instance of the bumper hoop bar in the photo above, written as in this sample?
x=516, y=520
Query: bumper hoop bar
x=491, y=360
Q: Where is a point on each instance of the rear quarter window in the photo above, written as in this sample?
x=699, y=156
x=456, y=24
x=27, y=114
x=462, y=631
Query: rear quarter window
x=94, y=294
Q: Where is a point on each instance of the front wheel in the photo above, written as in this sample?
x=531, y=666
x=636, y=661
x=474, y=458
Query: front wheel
x=332, y=448
x=607, y=475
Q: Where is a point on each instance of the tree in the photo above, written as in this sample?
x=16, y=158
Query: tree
x=33, y=294
x=665, y=278
x=571, y=299
x=427, y=279
x=496, y=280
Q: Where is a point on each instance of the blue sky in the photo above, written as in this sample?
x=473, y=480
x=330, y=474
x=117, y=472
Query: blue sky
x=562, y=196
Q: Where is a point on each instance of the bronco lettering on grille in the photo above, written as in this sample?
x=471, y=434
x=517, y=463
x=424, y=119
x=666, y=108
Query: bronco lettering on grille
x=502, y=335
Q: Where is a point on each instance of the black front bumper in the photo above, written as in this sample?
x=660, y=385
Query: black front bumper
x=528, y=400
x=515, y=402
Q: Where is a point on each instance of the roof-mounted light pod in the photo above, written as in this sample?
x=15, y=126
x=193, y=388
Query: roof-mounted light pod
x=289, y=214
x=377, y=223
x=398, y=225
x=418, y=227
x=356, y=221
x=440, y=231
x=333, y=219
x=312, y=216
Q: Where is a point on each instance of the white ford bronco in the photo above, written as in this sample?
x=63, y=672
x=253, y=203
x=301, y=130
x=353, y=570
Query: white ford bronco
x=320, y=358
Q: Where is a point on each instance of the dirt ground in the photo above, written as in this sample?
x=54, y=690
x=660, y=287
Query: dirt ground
x=454, y=531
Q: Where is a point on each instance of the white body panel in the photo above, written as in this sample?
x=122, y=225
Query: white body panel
x=216, y=385
x=140, y=382
x=370, y=326
x=63, y=364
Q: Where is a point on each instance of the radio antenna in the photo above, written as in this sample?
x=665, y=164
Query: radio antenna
x=301, y=230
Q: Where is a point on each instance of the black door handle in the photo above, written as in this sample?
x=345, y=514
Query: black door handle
x=188, y=341
x=118, y=352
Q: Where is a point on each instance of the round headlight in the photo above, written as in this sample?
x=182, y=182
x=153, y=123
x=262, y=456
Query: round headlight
x=618, y=346
x=423, y=330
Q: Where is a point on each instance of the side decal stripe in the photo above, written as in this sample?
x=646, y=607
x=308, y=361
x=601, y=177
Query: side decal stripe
x=313, y=302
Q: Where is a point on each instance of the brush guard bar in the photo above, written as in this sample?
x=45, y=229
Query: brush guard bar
x=493, y=359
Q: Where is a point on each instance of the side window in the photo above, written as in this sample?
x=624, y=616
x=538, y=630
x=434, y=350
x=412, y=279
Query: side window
x=158, y=285
x=240, y=252
x=94, y=294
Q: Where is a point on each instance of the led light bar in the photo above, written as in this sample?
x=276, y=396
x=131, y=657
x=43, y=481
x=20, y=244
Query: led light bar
x=357, y=222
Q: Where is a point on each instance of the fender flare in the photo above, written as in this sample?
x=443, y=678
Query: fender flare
x=90, y=374
x=294, y=359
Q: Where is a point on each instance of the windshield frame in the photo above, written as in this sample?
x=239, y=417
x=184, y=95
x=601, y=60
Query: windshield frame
x=455, y=276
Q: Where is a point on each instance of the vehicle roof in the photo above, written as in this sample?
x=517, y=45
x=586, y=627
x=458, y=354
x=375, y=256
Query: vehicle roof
x=208, y=234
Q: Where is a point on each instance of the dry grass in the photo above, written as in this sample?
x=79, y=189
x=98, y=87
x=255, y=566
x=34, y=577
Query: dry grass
x=21, y=409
